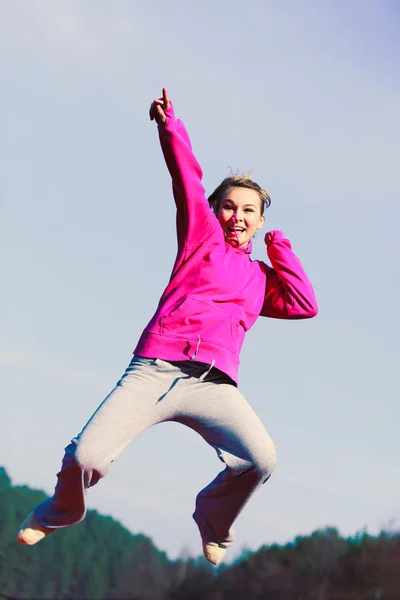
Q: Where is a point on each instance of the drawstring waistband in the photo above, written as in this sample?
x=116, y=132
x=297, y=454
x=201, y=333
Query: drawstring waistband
x=197, y=349
x=207, y=372
x=194, y=358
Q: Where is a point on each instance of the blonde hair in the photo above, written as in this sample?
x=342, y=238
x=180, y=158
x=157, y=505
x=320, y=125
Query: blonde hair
x=238, y=180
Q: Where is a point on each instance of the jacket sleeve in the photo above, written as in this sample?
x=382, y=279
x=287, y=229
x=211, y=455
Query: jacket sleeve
x=195, y=220
x=289, y=293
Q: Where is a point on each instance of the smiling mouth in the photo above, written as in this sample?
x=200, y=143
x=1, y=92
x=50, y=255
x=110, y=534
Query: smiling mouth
x=236, y=229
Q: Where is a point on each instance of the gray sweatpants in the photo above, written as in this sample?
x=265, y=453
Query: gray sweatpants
x=152, y=391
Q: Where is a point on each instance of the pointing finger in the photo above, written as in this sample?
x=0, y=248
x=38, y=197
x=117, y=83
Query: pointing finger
x=167, y=102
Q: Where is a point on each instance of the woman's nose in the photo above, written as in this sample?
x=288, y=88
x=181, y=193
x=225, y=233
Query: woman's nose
x=236, y=217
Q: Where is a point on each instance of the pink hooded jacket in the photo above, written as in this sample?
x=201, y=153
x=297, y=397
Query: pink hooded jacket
x=216, y=292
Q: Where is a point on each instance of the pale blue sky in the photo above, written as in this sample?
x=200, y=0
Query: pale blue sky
x=307, y=96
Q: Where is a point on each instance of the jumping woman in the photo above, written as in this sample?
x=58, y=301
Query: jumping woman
x=185, y=366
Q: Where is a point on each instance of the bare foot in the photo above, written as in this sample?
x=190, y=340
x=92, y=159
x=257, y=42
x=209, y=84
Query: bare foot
x=213, y=552
x=31, y=532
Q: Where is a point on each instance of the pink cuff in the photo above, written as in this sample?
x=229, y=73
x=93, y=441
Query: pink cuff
x=274, y=236
x=170, y=114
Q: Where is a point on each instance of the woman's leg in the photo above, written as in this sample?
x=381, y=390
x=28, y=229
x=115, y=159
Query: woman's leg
x=133, y=406
x=222, y=416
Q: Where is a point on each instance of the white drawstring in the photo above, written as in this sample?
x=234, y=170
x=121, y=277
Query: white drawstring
x=196, y=351
x=207, y=372
x=194, y=358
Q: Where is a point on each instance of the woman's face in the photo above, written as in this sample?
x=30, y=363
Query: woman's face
x=239, y=215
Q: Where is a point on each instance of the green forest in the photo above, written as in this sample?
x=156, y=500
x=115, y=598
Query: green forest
x=100, y=559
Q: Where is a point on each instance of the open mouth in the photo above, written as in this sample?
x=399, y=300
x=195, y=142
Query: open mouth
x=236, y=229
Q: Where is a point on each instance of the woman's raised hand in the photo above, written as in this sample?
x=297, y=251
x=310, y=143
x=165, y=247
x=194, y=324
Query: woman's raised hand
x=158, y=108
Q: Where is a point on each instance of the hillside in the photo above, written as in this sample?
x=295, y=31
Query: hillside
x=100, y=559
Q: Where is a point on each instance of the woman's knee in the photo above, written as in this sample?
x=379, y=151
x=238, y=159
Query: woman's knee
x=90, y=463
x=265, y=464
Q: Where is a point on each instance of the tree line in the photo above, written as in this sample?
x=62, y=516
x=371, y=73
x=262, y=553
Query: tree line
x=99, y=559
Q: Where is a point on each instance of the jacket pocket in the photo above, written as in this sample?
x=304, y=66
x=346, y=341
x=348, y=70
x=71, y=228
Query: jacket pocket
x=195, y=317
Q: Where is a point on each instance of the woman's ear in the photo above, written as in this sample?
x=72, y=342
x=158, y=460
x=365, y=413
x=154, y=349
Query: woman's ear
x=261, y=223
